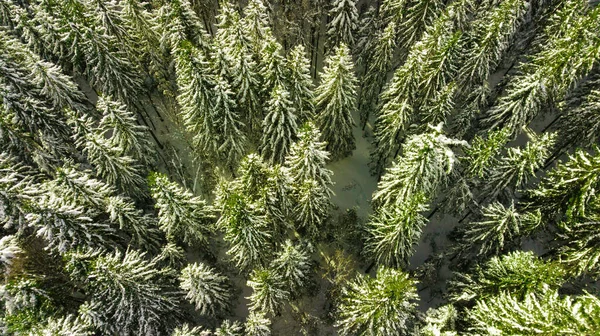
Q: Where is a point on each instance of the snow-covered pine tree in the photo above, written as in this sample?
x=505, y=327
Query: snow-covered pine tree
x=186, y=330
x=229, y=328
x=536, y=313
x=569, y=53
x=308, y=157
x=313, y=205
x=519, y=165
x=425, y=164
x=142, y=228
x=570, y=188
x=195, y=83
x=279, y=126
x=121, y=127
x=272, y=65
x=9, y=249
x=278, y=198
x=411, y=18
x=343, y=23
x=256, y=23
x=178, y=22
x=294, y=265
x=110, y=163
x=395, y=229
x=375, y=76
x=517, y=272
x=269, y=292
x=413, y=91
x=208, y=290
x=301, y=84
x=229, y=126
x=66, y=325
x=440, y=321
x=128, y=293
x=182, y=216
x=246, y=230
x=257, y=324
x=335, y=102
x=500, y=226
x=368, y=28
x=382, y=305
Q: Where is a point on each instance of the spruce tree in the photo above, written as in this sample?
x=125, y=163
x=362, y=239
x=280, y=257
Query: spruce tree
x=519, y=273
x=257, y=324
x=279, y=126
x=128, y=293
x=307, y=159
x=426, y=161
x=205, y=288
x=182, y=216
x=395, y=229
x=377, y=306
x=335, y=102
x=301, y=84
x=269, y=292
x=229, y=126
x=543, y=313
x=343, y=23
x=294, y=265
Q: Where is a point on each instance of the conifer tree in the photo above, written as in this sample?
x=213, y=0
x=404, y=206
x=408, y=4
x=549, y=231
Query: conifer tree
x=279, y=126
x=569, y=49
x=301, y=84
x=128, y=293
x=121, y=126
x=272, y=65
x=500, y=225
x=519, y=273
x=440, y=321
x=185, y=330
x=308, y=157
x=569, y=188
x=269, y=292
x=395, y=229
x=256, y=22
x=228, y=124
x=335, y=101
x=205, y=288
x=343, y=22
x=380, y=62
x=110, y=164
x=543, y=313
x=9, y=249
x=142, y=228
x=294, y=265
x=67, y=325
x=195, y=82
x=519, y=165
x=377, y=306
x=580, y=251
x=182, y=216
x=425, y=164
x=257, y=324
x=229, y=328
x=312, y=207
x=178, y=22
x=411, y=17
x=246, y=230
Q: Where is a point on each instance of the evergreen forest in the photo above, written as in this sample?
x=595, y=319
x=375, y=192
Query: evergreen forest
x=299, y=167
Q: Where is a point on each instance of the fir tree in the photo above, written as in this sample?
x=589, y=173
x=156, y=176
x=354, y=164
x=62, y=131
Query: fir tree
x=335, y=101
x=272, y=65
x=142, y=228
x=121, y=126
x=377, y=306
x=269, y=292
x=312, y=207
x=246, y=231
x=519, y=273
x=228, y=124
x=301, y=84
x=256, y=23
x=185, y=330
x=67, y=325
x=440, y=321
x=257, y=324
x=380, y=62
x=294, y=265
x=229, y=328
x=307, y=159
x=543, y=313
x=279, y=126
x=205, y=288
x=500, y=226
x=394, y=231
x=569, y=49
x=128, y=293
x=343, y=22
x=182, y=216
x=425, y=164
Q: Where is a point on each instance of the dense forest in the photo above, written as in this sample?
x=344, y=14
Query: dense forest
x=299, y=167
